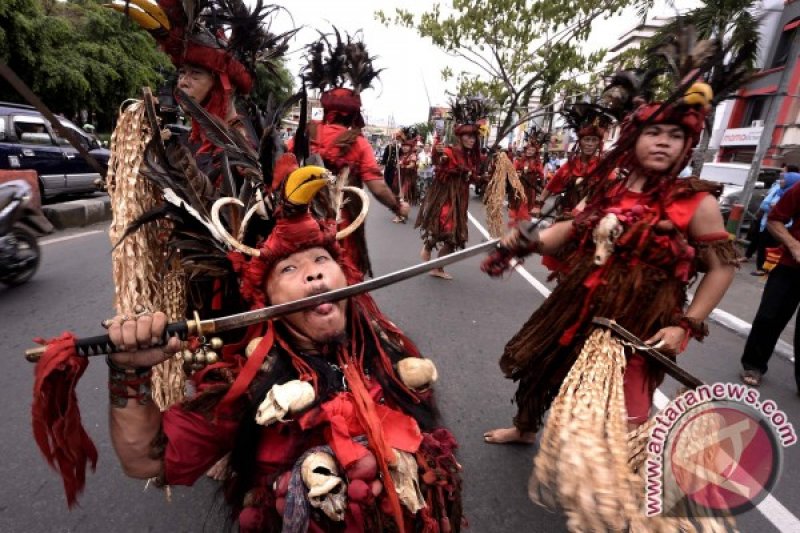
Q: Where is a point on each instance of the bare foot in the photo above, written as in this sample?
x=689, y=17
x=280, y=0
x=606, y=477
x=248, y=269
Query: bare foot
x=439, y=273
x=425, y=254
x=220, y=468
x=509, y=436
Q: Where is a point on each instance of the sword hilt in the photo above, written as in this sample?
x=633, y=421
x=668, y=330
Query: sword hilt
x=669, y=366
x=101, y=344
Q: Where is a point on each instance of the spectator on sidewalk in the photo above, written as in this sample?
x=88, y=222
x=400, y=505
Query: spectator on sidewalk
x=765, y=239
x=781, y=295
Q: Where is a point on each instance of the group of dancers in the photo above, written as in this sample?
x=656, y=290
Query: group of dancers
x=323, y=419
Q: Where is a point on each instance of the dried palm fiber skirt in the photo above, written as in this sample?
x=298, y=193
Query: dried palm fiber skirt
x=640, y=298
x=442, y=218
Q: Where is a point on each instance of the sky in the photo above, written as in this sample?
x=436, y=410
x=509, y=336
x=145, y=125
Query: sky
x=412, y=64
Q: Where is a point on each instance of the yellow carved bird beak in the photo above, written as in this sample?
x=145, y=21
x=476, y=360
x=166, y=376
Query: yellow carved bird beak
x=699, y=93
x=304, y=183
x=146, y=14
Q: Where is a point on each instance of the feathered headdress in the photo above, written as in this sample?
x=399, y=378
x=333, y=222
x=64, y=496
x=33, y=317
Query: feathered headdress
x=224, y=36
x=340, y=70
x=536, y=137
x=587, y=119
x=203, y=233
x=408, y=135
x=468, y=114
x=688, y=64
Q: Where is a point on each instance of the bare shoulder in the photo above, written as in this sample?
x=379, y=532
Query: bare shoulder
x=707, y=218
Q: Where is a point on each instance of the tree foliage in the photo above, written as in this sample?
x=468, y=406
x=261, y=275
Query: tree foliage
x=77, y=55
x=736, y=24
x=519, y=48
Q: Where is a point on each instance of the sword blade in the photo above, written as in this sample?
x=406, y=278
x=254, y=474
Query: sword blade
x=248, y=318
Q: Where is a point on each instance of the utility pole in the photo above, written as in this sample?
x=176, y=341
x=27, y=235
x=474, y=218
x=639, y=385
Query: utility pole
x=765, y=140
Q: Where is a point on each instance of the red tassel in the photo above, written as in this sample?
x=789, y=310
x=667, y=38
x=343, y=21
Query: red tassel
x=57, y=425
x=384, y=454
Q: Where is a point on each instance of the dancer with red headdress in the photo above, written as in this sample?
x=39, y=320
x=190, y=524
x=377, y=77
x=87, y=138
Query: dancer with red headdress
x=442, y=218
x=337, y=139
x=327, y=413
x=571, y=181
x=641, y=237
x=531, y=174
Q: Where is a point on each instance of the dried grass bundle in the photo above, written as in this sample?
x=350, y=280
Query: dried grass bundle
x=583, y=458
x=141, y=279
x=591, y=467
x=504, y=172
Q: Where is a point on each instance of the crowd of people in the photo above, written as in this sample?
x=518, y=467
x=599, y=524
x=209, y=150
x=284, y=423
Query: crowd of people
x=324, y=419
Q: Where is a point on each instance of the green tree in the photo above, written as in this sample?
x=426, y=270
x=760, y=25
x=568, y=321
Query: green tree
x=520, y=48
x=277, y=81
x=732, y=22
x=77, y=56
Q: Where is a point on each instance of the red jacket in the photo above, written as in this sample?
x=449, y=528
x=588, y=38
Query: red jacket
x=357, y=155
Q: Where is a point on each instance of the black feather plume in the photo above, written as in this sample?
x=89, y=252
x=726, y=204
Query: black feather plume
x=336, y=62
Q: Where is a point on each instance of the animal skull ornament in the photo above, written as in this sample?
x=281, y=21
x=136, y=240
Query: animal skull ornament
x=327, y=491
x=605, y=234
x=289, y=398
x=417, y=373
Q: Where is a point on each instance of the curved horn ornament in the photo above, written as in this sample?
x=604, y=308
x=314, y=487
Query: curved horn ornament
x=227, y=237
x=341, y=234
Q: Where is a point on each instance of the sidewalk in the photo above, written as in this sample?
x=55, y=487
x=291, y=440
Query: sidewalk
x=78, y=213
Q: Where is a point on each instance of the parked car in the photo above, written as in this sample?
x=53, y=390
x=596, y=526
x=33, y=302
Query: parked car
x=733, y=177
x=29, y=142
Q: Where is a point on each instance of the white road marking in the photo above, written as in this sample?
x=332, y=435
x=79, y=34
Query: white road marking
x=773, y=510
x=69, y=237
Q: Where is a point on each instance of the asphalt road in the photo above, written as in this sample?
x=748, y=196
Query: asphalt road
x=462, y=324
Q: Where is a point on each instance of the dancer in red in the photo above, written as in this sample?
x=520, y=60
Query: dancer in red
x=442, y=218
x=632, y=253
x=338, y=139
x=571, y=180
x=407, y=168
x=531, y=174
x=327, y=413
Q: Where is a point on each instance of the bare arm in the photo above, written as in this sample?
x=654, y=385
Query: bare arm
x=384, y=194
x=134, y=423
x=707, y=220
x=779, y=231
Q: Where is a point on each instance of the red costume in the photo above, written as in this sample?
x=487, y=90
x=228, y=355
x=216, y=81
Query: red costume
x=338, y=138
x=442, y=219
x=443, y=215
x=386, y=463
x=642, y=284
x=572, y=180
x=531, y=175
x=408, y=175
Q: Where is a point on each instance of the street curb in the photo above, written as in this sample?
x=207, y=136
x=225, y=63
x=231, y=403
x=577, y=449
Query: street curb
x=78, y=213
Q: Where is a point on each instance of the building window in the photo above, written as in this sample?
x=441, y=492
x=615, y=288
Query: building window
x=756, y=110
x=785, y=44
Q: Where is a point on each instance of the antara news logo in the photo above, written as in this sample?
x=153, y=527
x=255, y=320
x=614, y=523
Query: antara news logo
x=715, y=450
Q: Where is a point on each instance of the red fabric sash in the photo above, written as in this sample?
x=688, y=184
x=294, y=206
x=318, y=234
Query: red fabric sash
x=56, y=417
